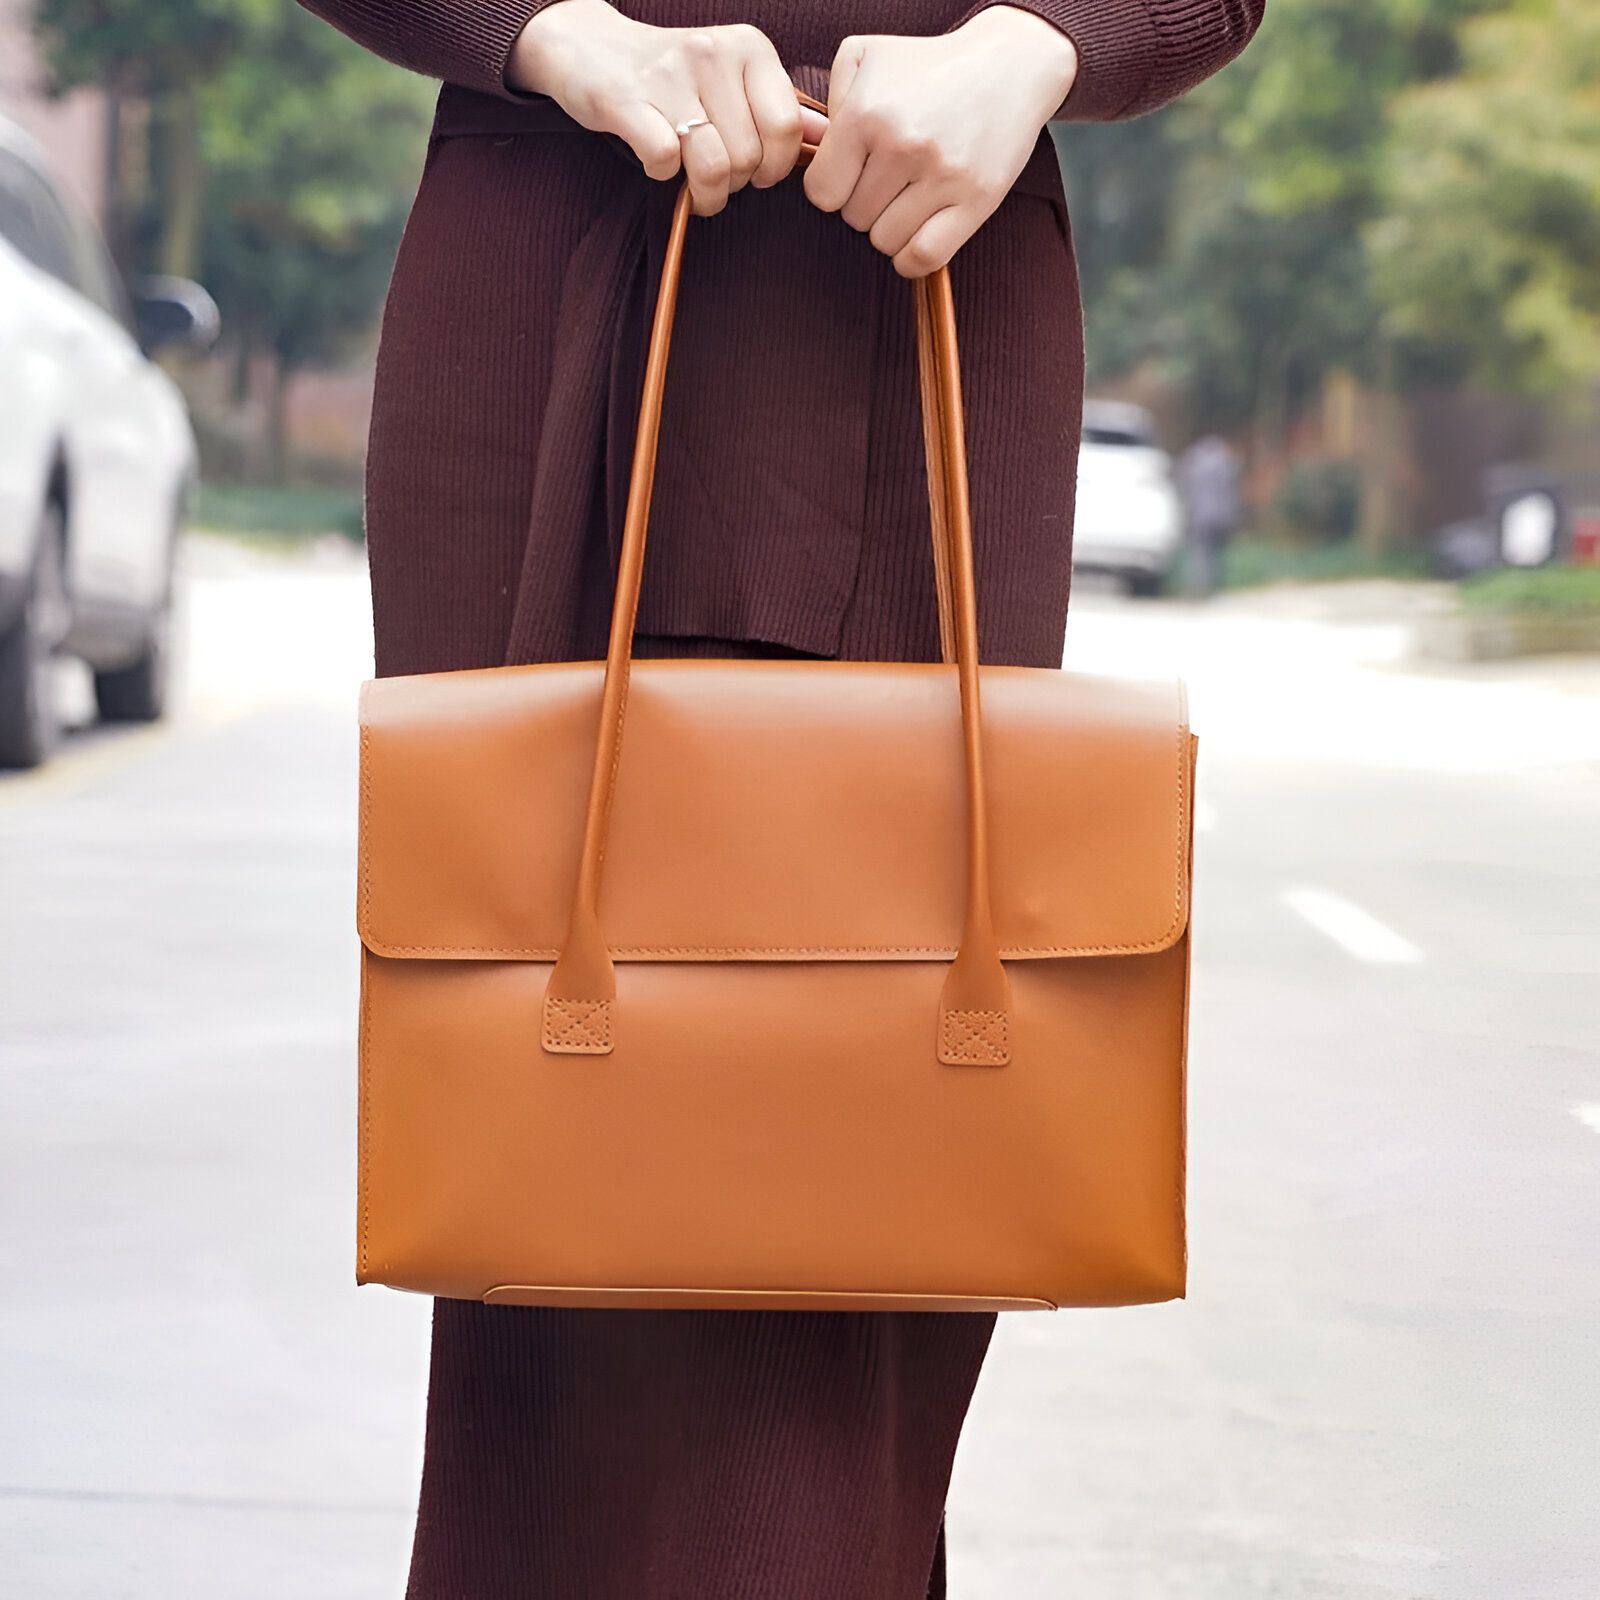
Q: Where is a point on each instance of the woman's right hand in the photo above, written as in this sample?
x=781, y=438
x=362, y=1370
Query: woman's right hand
x=641, y=83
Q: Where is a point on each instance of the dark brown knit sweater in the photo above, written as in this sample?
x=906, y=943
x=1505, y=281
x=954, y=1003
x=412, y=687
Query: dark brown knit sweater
x=1136, y=54
x=581, y=1455
x=512, y=355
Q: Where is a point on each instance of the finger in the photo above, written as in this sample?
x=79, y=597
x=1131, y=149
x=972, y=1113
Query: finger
x=898, y=223
x=936, y=241
x=836, y=168
x=883, y=178
x=813, y=124
x=722, y=93
x=706, y=166
x=651, y=137
x=841, y=152
x=771, y=99
x=847, y=61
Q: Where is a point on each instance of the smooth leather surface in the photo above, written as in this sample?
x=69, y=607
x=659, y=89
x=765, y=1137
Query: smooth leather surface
x=770, y=809
x=766, y=1133
x=692, y=1017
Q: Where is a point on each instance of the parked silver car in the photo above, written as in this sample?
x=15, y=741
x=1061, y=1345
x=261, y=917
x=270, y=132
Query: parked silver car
x=1130, y=516
x=97, y=459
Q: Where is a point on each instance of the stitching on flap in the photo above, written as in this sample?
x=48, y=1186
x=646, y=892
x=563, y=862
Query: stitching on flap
x=364, y=1123
x=362, y=820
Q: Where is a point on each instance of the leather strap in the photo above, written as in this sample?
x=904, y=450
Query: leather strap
x=933, y=450
x=975, y=1003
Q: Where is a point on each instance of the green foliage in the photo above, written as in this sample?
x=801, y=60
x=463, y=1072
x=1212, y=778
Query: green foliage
x=312, y=149
x=1318, y=501
x=1244, y=276
x=1248, y=564
x=1308, y=106
x=1489, y=250
x=1369, y=172
x=308, y=150
x=272, y=513
x=1559, y=590
x=143, y=46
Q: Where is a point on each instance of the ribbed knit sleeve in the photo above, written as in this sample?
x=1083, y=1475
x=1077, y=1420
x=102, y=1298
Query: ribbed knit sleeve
x=1136, y=55
x=460, y=41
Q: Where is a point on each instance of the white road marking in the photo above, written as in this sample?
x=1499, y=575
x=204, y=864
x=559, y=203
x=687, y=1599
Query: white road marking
x=1589, y=1116
x=1356, y=931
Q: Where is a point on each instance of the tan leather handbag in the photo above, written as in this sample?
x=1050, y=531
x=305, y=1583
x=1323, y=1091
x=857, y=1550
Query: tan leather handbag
x=790, y=984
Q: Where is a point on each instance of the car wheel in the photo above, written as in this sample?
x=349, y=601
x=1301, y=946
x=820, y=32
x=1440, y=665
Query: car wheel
x=1145, y=585
x=30, y=726
x=138, y=691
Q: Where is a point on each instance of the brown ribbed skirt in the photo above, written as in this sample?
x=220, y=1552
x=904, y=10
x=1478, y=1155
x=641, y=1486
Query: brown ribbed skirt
x=680, y=1455
x=690, y=1455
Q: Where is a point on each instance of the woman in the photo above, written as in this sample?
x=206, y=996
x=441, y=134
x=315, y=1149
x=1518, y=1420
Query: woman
x=612, y=1455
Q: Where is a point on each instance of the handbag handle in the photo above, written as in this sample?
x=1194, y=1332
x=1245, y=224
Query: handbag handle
x=975, y=1002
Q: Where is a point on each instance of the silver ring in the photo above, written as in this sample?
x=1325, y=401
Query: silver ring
x=691, y=124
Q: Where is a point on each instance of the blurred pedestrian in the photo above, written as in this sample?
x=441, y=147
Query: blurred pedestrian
x=1209, y=480
x=760, y=1455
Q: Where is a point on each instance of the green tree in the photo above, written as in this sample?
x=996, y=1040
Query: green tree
x=284, y=160
x=312, y=149
x=1253, y=280
x=1487, y=254
x=142, y=48
x=161, y=54
x=1250, y=282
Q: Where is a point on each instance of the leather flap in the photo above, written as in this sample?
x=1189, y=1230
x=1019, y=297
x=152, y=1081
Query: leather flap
x=771, y=810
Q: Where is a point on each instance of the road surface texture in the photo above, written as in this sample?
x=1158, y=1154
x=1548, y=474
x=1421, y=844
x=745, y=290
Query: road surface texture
x=1386, y=1381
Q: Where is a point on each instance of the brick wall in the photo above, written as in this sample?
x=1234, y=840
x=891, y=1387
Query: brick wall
x=72, y=129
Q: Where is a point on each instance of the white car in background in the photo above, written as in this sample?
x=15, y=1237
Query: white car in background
x=97, y=460
x=1130, y=516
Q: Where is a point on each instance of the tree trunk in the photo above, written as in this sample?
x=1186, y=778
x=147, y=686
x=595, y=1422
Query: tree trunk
x=244, y=354
x=116, y=199
x=1269, y=421
x=1381, y=458
x=185, y=184
x=278, y=421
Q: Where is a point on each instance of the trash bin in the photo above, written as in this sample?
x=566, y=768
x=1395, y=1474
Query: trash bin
x=1526, y=522
x=1528, y=515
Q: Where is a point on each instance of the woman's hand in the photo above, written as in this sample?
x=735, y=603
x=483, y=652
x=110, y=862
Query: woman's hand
x=641, y=83
x=925, y=136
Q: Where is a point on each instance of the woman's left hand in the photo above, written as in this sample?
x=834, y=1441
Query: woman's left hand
x=926, y=135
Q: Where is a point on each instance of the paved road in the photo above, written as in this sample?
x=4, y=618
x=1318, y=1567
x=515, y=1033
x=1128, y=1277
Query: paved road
x=1385, y=1383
